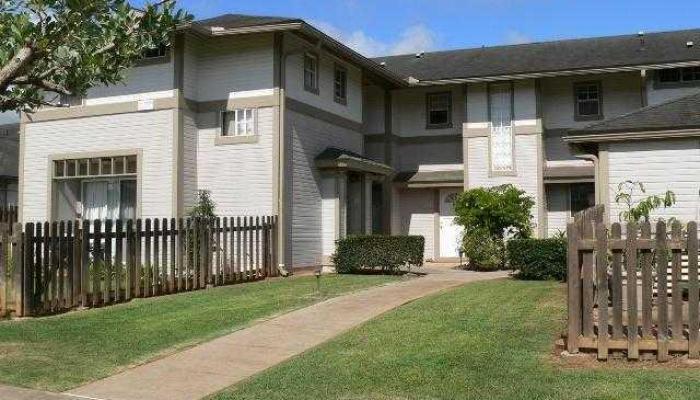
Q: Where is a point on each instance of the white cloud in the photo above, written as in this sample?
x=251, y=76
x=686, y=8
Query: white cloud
x=413, y=39
x=515, y=37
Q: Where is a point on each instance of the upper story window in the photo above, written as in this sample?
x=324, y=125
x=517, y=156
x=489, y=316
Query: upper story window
x=588, y=101
x=311, y=72
x=156, y=52
x=439, y=110
x=239, y=122
x=340, y=85
x=679, y=75
x=501, y=141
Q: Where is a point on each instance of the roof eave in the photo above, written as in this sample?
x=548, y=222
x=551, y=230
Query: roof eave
x=627, y=134
x=552, y=74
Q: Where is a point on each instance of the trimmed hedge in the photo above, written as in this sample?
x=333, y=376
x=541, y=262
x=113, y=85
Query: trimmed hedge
x=538, y=259
x=356, y=254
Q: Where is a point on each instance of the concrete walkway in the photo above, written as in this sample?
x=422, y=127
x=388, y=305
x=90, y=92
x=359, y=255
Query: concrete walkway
x=216, y=365
x=15, y=393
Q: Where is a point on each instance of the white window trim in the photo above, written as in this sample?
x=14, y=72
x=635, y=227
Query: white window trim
x=225, y=139
x=313, y=88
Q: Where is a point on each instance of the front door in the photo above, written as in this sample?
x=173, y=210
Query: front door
x=450, y=232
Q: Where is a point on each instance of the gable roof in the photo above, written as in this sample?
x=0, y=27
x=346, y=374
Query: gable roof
x=677, y=114
x=238, y=24
x=550, y=57
x=336, y=158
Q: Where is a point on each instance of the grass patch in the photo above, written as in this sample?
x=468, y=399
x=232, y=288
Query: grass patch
x=61, y=352
x=488, y=340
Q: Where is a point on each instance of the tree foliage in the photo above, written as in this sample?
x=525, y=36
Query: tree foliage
x=51, y=48
x=495, y=211
x=640, y=209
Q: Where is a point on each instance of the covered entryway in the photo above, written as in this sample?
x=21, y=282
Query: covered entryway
x=349, y=183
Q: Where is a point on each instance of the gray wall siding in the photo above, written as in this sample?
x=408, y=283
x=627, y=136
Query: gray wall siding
x=9, y=150
x=189, y=160
x=621, y=94
x=417, y=216
x=309, y=137
x=413, y=156
x=558, y=208
x=409, y=111
x=661, y=165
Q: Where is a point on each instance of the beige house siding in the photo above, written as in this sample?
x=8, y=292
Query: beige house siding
x=149, y=132
x=309, y=137
x=661, y=165
x=189, y=160
x=239, y=176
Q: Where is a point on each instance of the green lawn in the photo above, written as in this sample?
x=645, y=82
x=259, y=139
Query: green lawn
x=489, y=340
x=61, y=352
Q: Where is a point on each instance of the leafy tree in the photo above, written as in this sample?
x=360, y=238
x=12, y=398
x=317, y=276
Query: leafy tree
x=641, y=209
x=51, y=48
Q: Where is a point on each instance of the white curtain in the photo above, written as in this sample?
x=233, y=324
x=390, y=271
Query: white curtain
x=67, y=198
x=101, y=200
x=501, y=109
x=127, y=200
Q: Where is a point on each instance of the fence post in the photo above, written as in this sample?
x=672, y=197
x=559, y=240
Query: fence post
x=4, y=238
x=574, y=289
x=28, y=272
x=662, y=291
x=632, y=312
x=601, y=240
x=693, y=295
x=18, y=272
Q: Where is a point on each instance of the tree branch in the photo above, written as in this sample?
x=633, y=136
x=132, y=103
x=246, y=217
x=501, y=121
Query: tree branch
x=15, y=66
x=41, y=83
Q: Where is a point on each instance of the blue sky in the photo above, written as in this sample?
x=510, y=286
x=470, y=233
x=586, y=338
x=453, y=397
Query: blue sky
x=378, y=27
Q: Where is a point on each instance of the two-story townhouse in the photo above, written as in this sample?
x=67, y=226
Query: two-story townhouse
x=274, y=117
x=515, y=108
x=9, y=153
x=265, y=113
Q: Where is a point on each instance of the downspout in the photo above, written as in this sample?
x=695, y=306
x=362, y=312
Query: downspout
x=599, y=192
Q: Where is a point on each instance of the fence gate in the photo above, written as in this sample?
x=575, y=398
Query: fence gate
x=628, y=290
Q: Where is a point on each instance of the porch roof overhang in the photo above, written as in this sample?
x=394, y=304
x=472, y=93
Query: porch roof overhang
x=340, y=159
x=430, y=179
x=569, y=174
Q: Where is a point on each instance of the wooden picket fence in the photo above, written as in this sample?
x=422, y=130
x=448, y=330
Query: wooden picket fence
x=64, y=265
x=629, y=295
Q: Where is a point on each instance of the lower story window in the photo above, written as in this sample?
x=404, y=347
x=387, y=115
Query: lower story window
x=582, y=196
x=8, y=194
x=101, y=188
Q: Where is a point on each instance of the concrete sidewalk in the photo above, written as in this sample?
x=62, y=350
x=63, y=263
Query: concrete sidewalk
x=216, y=365
x=15, y=393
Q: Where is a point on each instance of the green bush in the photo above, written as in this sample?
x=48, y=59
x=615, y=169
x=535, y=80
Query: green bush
x=487, y=215
x=357, y=254
x=538, y=259
x=484, y=253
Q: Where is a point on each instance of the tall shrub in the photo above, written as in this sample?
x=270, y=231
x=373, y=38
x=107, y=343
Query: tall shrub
x=488, y=215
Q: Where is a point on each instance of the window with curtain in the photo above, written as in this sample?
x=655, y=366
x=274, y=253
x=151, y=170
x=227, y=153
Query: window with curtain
x=239, y=122
x=501, y=141
x=587, y=96
x=340, y=85
x=95, y=188
x=439, y=111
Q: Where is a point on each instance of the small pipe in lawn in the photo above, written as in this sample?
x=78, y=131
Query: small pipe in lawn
x=317, y=273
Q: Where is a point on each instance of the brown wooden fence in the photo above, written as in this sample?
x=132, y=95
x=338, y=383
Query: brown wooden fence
x=65, y=265
x=627, y=293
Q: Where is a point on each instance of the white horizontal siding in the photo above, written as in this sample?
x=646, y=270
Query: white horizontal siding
x=310, y=137
x=660, y=165
x=151, y=132
x=239, y=176
x=417, y=216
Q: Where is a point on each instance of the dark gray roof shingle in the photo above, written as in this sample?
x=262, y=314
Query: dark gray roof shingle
x=231, y=21
x=680, y=113
x=556, y=56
